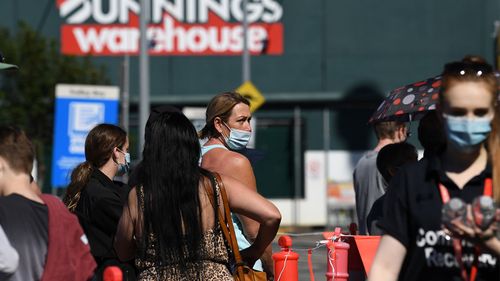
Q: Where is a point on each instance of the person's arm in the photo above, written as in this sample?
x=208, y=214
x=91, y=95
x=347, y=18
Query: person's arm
x=388, y=260
x=9, y=258
x=394, y=223
x=249, y=203
x=242, y=171
x=124, y=244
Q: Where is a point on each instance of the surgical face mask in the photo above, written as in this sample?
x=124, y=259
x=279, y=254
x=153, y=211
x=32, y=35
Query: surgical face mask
x=238, y=139
x=123, y=168
x=467, y=133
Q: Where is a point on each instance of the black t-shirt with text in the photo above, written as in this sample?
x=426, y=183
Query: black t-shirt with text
x=412, y=215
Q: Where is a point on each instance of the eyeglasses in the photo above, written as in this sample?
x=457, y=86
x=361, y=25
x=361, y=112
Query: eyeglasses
x=462, y=69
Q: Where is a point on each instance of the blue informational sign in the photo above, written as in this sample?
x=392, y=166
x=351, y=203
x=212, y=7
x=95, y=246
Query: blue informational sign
x=78, y=109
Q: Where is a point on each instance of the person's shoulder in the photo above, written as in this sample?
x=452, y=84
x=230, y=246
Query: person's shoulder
x=416, y=168
x=238, y=160
x=98, y=194
x=57, y=207
x=14, y=199
x=368, y=158
x=412, y=178
x=234, y=159
x=367, y=164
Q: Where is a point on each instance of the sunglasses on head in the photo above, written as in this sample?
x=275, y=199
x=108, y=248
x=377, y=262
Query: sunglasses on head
x=459, y=69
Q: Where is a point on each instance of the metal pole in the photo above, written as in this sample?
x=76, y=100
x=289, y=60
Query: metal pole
x=326, y=147
x=297, y=157
x=125, y=93
x=143, y=74
x=246, y=53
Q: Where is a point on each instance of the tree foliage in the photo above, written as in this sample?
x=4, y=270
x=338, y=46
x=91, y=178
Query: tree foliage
x=27, y=95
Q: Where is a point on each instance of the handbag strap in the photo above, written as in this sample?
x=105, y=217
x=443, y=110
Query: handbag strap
x=225, y=220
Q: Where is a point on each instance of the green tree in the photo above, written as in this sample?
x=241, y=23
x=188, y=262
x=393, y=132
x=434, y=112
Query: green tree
x=27, y=95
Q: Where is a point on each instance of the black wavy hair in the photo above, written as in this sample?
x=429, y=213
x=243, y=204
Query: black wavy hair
x=171, y=177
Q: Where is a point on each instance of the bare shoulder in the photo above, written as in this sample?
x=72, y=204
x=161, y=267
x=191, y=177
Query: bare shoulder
x=219, y=159
x=237, y=160
x=233, y=164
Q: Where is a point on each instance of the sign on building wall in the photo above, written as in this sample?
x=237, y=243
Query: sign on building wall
x=78, y=109
x=177, y=27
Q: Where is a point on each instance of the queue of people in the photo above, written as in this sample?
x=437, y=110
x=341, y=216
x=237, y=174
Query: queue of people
x=165, y=226
x=168, y=223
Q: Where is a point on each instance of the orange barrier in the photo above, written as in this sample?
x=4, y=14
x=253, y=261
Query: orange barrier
x=361, y=253
x=286, y=261
x=112, y=273
x=337, y=259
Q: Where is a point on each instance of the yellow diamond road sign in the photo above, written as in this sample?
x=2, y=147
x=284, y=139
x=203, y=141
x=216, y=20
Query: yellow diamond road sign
x=250, y=92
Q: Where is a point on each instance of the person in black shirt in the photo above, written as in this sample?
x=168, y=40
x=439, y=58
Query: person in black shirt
x=389, y=160
x=96, y=199
x=415, y=245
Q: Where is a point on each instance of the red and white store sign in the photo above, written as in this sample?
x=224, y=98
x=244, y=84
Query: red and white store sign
x=177, y=27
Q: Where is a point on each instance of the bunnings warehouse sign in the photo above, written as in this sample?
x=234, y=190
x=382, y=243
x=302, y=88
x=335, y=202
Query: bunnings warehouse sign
x=177, y=27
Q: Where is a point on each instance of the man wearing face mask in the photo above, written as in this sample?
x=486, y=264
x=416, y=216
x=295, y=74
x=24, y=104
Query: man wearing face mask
x=228, y=132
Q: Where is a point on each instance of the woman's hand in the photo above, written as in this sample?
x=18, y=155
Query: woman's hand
x=470, y=231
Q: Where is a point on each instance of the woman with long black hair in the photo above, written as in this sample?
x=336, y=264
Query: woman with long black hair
x=169, y=224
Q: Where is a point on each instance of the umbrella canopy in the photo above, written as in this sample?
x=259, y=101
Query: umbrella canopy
x=409, y=102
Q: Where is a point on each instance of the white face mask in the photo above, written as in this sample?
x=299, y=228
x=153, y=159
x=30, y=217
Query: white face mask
x=467, y=133
x=238, y=139
x=123, y=168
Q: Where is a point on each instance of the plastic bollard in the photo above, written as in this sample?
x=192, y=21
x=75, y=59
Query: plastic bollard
x=286, y=261
x=112, y=273
x=337, y=260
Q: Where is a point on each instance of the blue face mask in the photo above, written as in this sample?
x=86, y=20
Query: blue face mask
x=123, y=168
x=467, y=133
x=238, y=139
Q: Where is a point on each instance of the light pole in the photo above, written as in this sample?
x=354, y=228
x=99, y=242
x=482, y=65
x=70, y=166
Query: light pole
x=143, y=74
x=246, y=53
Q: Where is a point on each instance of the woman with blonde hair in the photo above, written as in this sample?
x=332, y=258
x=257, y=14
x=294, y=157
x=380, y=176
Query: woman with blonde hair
x=228, y=131
x=416, y=245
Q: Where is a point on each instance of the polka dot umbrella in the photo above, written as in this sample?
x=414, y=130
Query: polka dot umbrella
x=409, y=102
